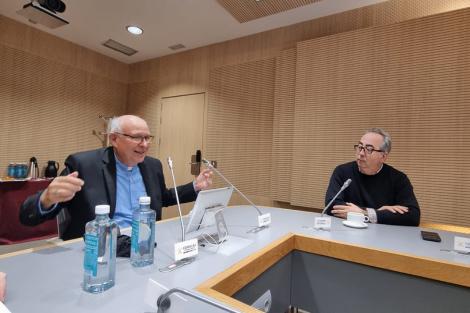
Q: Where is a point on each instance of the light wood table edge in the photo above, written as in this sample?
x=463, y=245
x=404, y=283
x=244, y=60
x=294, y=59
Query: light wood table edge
x=223, y=285
x=240, y=274
x=446, y=227
x=453, y=273
x=46, y=245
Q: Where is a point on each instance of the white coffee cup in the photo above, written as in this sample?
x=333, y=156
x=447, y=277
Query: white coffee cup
x=357, y=218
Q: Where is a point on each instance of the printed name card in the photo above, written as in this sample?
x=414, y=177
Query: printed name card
x=186, y=249
x=322, y=222
x=264, y=220
x=462, y=244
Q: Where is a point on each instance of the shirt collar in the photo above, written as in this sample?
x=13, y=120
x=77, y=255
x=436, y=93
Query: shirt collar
x=123, y=166
x=381, y=166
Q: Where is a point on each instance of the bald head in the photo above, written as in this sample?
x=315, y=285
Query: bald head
x=127, y=133
x=119, y=123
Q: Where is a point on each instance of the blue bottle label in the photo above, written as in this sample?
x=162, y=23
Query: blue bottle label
x=90, y=262
x=135, y=236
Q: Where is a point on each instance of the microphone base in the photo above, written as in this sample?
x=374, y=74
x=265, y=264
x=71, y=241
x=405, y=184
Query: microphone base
x=177, y=264
x=257, y=229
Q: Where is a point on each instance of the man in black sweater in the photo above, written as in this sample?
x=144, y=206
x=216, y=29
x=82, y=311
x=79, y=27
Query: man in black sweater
x=378, y=190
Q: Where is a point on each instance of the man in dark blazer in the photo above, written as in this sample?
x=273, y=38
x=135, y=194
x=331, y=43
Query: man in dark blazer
x=91, y=178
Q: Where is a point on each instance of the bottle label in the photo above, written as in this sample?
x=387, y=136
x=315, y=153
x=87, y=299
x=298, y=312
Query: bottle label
x=135, y=236
x=91, y=254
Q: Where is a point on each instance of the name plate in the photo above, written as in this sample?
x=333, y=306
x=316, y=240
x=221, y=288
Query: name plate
x=264, y=220
x=462, y=244
x=322, y=222
x=186, y=249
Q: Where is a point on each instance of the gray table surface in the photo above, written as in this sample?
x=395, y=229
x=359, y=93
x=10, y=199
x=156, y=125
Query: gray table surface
x=49, y=280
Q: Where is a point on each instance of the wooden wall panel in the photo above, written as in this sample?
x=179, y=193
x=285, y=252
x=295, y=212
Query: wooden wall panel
x=283, y=125
x=33, y=41
x=179, y=74
x=143, y=100
x=49, y=110
x=413, y=79
x=188, y=72
x=240, y=123
x=190, y=69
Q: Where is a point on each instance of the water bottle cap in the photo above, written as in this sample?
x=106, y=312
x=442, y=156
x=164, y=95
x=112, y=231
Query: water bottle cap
x=144, y=200
x=102, y=209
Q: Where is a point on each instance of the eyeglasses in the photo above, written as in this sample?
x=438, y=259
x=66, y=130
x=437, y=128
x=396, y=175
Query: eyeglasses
x=367, y=148
x=138, y=139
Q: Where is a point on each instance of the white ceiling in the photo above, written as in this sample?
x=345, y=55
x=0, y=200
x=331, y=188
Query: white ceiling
x=194, y=23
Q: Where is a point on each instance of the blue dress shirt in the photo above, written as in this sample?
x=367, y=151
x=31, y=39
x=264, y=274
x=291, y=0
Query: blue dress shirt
x=129, y=188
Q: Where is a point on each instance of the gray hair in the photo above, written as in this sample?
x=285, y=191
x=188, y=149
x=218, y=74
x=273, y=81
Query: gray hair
x=387, y=144
x=114, y=125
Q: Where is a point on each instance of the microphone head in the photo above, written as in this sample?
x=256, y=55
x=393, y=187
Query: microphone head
x=347, y=183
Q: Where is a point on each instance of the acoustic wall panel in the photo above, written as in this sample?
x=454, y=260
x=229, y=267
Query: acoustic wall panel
x=240, y=124
x=143, y=100
x=50, y=110
x=283, y=125
x=411, y=78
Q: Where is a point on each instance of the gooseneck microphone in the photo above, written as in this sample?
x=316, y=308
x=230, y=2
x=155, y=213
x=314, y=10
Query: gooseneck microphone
x=187, y=260
x=345, y=185
x=170, y=165
x=209, y=165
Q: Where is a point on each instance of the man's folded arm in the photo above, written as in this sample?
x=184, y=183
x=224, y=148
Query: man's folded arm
x=404, y=197
x=410, y=218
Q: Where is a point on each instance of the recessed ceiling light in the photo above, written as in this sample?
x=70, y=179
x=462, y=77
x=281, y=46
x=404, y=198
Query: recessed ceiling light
x=134, y=30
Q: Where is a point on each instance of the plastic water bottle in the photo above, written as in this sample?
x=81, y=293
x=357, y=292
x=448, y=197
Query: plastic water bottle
x=100, y=252
x=143, y=234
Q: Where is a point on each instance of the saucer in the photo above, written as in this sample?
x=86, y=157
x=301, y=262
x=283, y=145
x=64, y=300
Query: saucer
x=354, y=225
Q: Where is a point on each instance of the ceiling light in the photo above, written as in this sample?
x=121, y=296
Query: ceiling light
x=134, y=30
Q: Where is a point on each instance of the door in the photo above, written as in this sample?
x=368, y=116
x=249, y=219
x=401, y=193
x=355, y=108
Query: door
x=181, y=134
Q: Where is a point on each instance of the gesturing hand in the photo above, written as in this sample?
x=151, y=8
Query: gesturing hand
x=61, y=189
x=204, y=180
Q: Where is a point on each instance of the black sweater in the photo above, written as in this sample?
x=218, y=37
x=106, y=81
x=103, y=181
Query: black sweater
x=388, y=187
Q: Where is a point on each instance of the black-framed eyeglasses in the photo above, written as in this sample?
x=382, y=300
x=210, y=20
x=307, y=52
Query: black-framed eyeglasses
x=367, y=148
x=138, y=139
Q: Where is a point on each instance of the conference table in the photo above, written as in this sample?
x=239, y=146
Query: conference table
x=48, y=280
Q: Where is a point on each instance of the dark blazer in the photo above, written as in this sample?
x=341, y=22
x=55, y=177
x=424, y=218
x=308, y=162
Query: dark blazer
x=98, y=169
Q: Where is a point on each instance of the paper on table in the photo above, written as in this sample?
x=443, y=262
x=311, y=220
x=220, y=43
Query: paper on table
x=3, y=308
